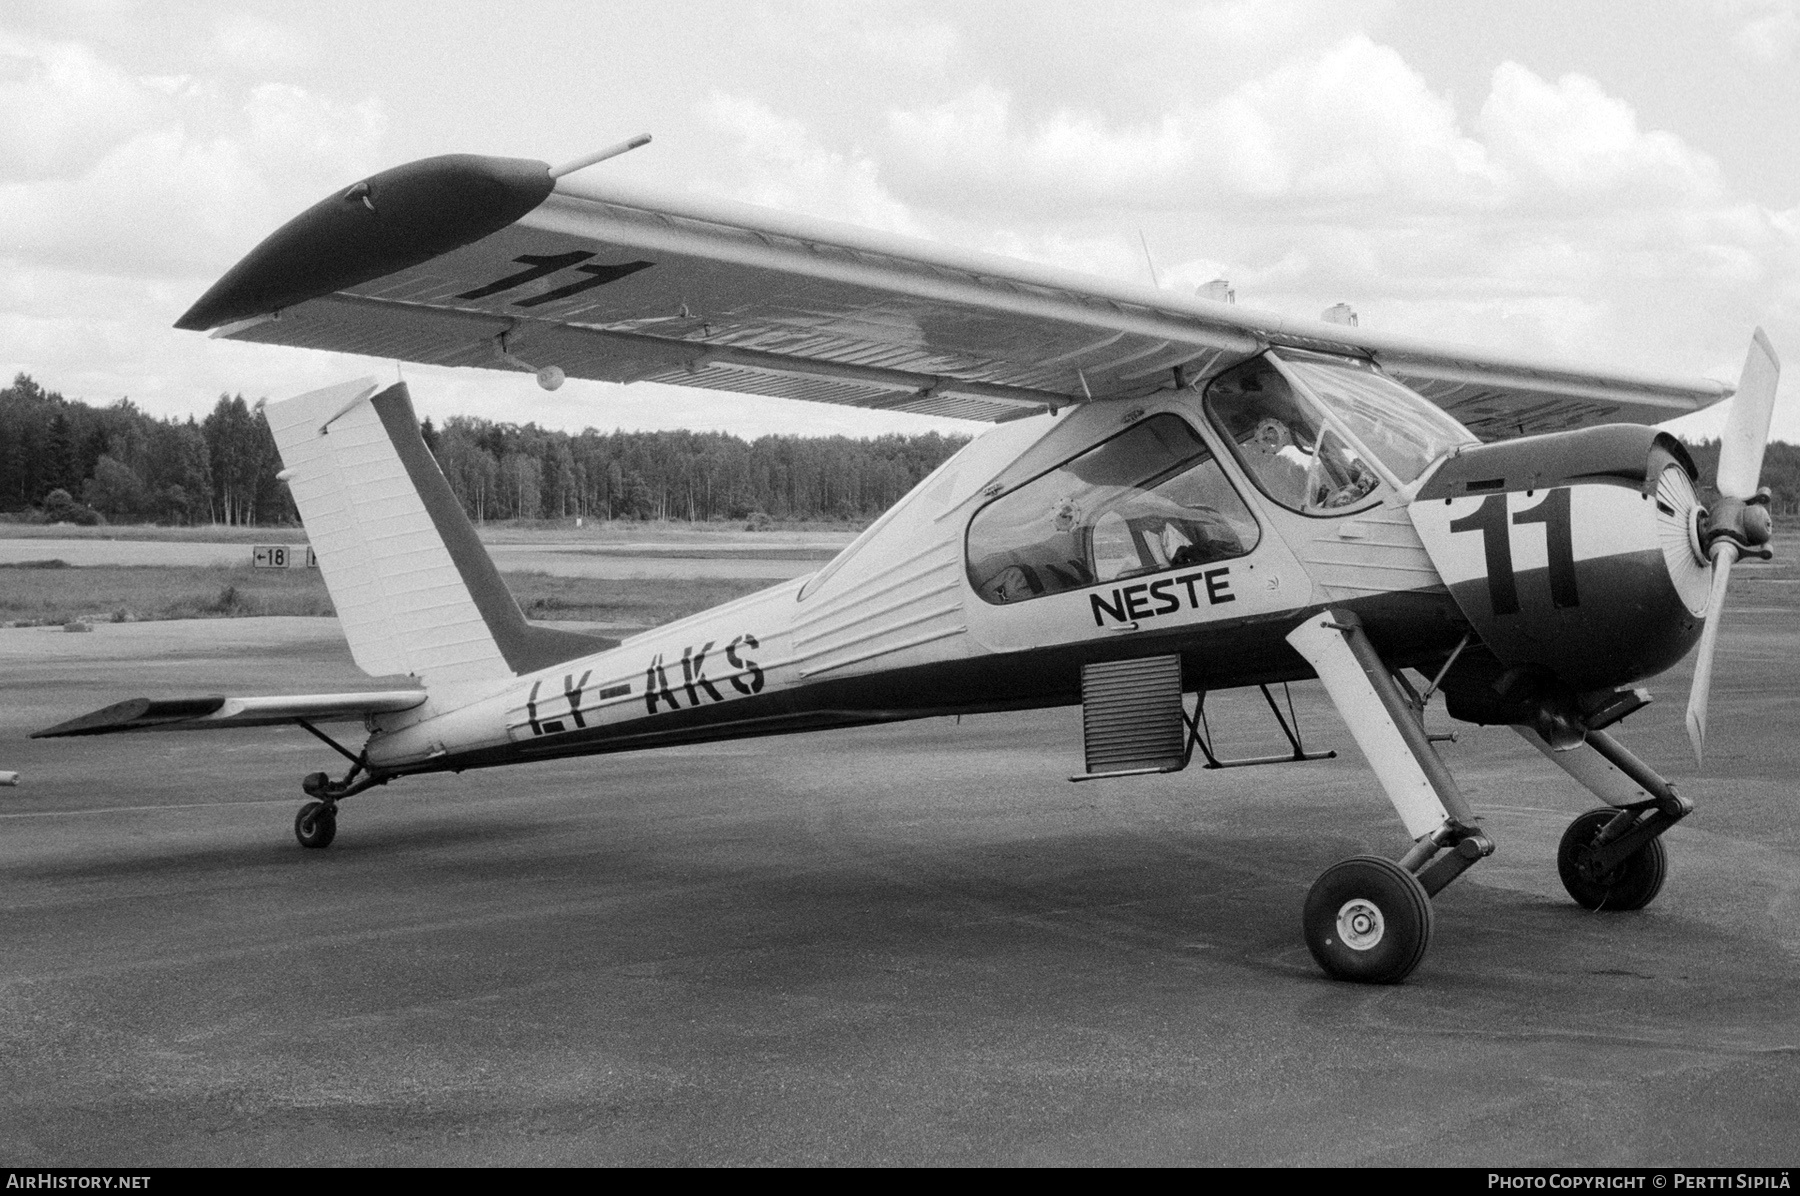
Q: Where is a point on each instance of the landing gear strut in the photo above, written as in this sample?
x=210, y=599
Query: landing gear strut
x=316, y=823
x=1369, y=919
x=1613, y=858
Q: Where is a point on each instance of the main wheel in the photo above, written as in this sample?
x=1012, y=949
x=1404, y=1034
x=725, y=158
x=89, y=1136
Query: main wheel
x=315, y=825
x=1631, y=884
x=1369, y=920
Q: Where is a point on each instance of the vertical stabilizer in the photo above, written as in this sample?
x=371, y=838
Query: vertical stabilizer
x=414, y=589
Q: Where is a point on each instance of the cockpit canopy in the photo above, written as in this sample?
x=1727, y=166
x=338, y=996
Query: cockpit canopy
x=1320, y=434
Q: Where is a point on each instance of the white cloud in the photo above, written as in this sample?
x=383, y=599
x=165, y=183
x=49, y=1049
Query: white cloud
x=776, y=162
x=1351, y=121
x=315, y=142
x=162, y=203
x=62, y=107
x=1069, y=155
x=173, y=175
x=1770, y=30
x=1573, y=139
x=251, y=45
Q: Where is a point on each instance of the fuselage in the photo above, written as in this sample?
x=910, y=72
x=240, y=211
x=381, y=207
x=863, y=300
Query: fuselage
x=1204, y=522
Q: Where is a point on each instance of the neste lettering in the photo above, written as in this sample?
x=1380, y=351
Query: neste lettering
x=1133, y=602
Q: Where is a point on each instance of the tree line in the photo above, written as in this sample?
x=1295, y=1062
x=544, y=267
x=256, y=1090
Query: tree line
x=64, y=459
x=1780, y=473
x=504, y=471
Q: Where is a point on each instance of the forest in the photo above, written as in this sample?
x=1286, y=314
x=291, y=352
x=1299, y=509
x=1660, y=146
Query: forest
x=65, y=460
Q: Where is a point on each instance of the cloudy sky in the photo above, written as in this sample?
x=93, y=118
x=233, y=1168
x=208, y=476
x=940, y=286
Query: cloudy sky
x=1614, y=183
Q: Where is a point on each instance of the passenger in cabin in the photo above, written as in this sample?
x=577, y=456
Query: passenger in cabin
x=1143, y=500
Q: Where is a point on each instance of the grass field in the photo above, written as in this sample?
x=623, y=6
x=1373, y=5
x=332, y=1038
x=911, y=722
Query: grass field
x=528, y=531
x=42, y=592
x=48, y=592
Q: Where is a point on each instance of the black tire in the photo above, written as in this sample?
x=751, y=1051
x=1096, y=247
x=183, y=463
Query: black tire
x=315, y=825
x=1368, y=920
x=1632, y=884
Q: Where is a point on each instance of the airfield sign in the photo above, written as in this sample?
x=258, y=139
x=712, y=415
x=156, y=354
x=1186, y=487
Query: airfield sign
x=283, y=556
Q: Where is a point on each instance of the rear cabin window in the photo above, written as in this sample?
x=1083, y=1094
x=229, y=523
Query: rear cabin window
x=1149, y=499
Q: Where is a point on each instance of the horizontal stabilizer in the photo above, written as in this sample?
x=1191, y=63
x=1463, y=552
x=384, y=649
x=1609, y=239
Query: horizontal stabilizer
x=213, y=713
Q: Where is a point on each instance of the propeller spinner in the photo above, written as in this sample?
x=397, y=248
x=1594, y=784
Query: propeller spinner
x=1739, y=524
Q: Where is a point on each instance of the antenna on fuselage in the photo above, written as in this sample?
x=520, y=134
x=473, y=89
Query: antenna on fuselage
x=1155, y=281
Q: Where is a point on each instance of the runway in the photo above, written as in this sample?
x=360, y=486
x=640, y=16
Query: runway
x=900, y=945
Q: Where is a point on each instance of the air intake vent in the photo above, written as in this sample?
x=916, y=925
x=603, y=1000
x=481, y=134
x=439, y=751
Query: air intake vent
x=1131, y=716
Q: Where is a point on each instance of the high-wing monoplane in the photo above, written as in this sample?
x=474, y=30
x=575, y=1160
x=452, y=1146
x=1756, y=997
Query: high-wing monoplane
x=1180, y=496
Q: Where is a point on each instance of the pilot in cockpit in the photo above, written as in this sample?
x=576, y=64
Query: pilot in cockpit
x=1278, y=461
x=1297, y=461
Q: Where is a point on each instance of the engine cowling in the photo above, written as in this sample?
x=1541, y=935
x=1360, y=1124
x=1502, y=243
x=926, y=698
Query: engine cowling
x=1575, y=556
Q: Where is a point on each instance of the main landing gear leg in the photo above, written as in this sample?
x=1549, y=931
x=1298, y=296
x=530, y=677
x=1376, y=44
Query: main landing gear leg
x=316, y=823
x=1613, y=858
x=1369, y=918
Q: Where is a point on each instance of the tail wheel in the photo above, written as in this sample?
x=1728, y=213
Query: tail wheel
x=1631, y=884
x=1368, y=920
x=315, y=825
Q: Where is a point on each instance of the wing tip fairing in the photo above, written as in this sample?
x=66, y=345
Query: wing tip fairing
x=387, y=222
x=134, y=714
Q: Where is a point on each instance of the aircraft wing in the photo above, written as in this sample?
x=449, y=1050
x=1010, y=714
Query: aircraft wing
x=488, y=262
x=216, y=712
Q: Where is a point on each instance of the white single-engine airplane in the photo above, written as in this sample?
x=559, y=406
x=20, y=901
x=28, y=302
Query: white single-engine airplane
x=1181, y=496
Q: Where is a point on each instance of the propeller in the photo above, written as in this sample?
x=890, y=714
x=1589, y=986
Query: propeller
x=1739, y=523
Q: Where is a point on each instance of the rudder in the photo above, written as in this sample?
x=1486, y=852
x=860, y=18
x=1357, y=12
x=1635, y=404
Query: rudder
x=415, y=590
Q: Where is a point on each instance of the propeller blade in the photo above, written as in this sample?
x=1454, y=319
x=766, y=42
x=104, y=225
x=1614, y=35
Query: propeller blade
x=1747, y=428
x=1723, y=557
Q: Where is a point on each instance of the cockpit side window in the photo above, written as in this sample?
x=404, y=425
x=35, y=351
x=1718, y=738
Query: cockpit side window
x=1149, y=499
x=1284, y=443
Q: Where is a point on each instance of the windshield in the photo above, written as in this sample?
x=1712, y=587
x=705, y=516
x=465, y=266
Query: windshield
x=1405, y=431
x=1284, y=443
